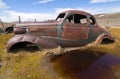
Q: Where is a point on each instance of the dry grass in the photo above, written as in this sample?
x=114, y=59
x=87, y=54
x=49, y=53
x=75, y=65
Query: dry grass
x=25, y=65
x=5, y=24
x=3, y=41
x=110, y=48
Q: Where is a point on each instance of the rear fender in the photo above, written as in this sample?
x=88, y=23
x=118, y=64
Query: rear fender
x=104, y=36
x=30, y=39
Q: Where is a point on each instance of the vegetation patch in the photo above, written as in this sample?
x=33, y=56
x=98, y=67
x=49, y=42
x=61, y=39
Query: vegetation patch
x=36, y=65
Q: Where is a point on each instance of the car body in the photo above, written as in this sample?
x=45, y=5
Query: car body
x=71, y=28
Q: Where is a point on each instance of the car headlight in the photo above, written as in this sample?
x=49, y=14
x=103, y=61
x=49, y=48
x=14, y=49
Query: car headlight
x=20, y=30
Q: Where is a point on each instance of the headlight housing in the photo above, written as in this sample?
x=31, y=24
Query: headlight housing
x=20, y=30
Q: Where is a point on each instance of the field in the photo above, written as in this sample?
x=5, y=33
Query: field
x=38, y=65
x=5, y=25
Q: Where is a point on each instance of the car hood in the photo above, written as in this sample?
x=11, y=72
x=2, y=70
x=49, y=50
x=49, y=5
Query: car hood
x=44, y=23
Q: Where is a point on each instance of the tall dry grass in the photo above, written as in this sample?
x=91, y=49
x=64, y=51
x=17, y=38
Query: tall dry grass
x=26, y=65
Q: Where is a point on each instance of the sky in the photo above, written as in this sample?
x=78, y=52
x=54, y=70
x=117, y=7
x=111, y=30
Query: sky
x=29, y=10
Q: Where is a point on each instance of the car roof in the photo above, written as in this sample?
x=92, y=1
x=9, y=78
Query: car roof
x=76, y=12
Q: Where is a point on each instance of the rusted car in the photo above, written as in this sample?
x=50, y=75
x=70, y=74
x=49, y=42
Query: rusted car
x=71, y=28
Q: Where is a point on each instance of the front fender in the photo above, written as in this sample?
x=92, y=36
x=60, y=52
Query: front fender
x=30, y=38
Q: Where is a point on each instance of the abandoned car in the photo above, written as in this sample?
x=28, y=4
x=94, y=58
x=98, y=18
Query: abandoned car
x=71, y=28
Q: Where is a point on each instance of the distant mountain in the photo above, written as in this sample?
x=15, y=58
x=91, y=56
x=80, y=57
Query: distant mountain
x=108, y=19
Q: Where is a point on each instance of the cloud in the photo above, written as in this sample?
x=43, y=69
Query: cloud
x=102, y=1
x=90, y=10
x=43, y=1
x=10, y=16
x=3, y=5
x=110, y=10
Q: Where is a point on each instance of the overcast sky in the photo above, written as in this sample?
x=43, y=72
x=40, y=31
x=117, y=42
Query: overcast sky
x=48, y=9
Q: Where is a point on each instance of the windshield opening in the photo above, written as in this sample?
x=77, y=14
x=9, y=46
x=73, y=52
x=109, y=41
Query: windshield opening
x=60, y=17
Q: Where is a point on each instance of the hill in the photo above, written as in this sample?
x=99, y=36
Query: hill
x=108, y=19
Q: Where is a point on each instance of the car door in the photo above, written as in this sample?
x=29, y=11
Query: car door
x=75, y=30
x=94, y=30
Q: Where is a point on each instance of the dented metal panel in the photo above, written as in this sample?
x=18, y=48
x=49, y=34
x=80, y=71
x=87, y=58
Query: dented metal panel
x=33, y=39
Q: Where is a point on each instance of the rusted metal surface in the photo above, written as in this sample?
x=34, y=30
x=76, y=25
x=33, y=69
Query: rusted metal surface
x=33, y=39
x=70, y=28
x=76, y=12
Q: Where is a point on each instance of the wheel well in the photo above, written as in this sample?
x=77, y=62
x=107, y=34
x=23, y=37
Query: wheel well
x=9, y=30
x=107, y=41
x=24, y=46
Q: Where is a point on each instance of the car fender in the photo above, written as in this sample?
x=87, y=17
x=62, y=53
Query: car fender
x=103, y=36
x=33, y=39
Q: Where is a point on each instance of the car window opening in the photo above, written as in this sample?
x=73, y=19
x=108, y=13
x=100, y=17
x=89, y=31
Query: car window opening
x=77, y=19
